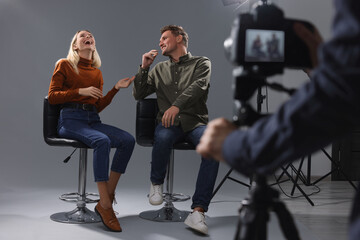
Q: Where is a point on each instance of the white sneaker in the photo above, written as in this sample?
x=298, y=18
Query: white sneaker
x=196, y=221
x=156, y=194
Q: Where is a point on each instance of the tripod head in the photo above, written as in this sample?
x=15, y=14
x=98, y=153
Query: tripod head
x=244, y=85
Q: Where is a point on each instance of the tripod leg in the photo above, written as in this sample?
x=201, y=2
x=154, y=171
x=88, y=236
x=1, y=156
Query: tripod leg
x=238, y=230
x=227, y=176
x=308, y=176
x=318, y=180
x=222, y=182
x=339, y=168
x=282, y=174
x=297, y=175
x=287, y=223
x=299, y=188
x=240, y=182
x=252, y=222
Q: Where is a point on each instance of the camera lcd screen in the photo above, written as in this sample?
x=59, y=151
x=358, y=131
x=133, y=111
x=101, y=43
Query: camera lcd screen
x=264, y=45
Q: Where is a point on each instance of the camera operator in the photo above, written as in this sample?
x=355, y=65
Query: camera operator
x=323, y=110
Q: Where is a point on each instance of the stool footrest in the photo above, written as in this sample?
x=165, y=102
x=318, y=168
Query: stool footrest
x=175, y=197
x=75, y=197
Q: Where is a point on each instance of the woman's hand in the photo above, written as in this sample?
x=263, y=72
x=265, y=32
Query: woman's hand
x=124, y=83
x=91, y=92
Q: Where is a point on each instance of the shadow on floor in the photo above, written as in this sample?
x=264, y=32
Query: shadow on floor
x=220, y=228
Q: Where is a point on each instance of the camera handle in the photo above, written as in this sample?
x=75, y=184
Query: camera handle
x=246, y=82
x=259, y=99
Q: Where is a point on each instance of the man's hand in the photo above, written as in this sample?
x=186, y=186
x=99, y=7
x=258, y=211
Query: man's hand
x=212, y=140
x=148, y=58
x=91, y=92
x=311, y=39
x=124, y=83
x=169, y=116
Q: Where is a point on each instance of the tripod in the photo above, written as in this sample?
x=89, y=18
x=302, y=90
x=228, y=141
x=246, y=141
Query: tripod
x=306, y=179
x=254, y=213
x=260, y=99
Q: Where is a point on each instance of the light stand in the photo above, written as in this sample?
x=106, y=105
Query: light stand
x=306, y=179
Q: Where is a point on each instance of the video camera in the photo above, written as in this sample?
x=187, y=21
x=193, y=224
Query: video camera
x=261, y=44
x=265, y=40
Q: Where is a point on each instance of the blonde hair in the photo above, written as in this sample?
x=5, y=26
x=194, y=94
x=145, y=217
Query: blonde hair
x=73, y=56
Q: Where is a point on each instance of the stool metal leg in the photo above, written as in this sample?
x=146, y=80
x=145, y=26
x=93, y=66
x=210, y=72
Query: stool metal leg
x=81, y=214
x=168, y=213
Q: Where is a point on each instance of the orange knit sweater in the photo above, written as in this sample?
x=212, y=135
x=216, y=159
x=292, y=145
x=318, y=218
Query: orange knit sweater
x=65, y=84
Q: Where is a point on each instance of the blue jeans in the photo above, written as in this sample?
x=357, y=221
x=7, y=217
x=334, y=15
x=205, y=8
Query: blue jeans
x=86, y=127
x=163, y=141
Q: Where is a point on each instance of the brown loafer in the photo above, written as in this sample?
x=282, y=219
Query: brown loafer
x=108, y=218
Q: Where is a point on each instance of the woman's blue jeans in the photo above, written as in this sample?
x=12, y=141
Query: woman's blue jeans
x=163, y=142
x=86, y=127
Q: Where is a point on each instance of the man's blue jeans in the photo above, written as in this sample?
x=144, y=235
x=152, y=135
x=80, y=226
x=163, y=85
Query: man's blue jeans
x=163, y=141
x=86, y=127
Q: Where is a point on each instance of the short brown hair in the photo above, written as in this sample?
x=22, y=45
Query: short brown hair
x=176, y=30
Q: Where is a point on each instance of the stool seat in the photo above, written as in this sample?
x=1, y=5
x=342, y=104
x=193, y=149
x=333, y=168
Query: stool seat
x=81, y=214
x=64, y=142
x=184, y=146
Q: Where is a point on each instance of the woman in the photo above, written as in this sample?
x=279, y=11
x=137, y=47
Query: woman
x=77, y=84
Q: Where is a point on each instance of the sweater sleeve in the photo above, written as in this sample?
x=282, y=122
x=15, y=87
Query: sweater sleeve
x=57, y=94
x=105, y=100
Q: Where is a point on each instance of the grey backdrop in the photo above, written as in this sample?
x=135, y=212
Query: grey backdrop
x=36, y=33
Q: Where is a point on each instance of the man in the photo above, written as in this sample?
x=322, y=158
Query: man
x=273, y=47
x=325, y=109
x=181, y=85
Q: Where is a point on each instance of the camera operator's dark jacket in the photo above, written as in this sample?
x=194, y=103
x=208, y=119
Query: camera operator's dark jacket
x=184, y=84
x=325, y=109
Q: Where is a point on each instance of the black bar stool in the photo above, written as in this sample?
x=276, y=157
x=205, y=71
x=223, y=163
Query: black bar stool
x=146, y=112
x=81, y=214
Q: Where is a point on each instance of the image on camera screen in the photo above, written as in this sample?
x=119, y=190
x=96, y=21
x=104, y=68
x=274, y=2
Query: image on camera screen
x=264, y=45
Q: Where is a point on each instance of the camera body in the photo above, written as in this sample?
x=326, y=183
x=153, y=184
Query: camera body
x=265, y=39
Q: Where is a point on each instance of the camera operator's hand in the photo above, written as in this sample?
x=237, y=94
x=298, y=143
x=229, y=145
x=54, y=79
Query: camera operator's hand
x=312, y=40
x=212, y=140
x=148, y=58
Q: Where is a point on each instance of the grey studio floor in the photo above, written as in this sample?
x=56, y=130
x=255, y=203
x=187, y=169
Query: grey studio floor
x=24, y=214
